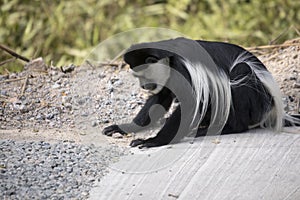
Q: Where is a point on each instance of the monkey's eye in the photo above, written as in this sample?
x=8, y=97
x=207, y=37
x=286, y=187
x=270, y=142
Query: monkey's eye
x=151, y=60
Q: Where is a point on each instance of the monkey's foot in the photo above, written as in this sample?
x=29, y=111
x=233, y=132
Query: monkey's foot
x=110, y=130
x=145, y=143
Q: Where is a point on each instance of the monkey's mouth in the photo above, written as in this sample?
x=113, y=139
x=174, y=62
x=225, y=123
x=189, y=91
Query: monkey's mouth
x=152, y=88
x=149, y=86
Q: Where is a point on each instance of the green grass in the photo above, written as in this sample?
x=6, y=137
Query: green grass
x=65, y=31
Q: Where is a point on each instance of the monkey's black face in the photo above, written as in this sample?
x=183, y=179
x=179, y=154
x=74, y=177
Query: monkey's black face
x=153, y=74
x=150, y=66
x=140, y=57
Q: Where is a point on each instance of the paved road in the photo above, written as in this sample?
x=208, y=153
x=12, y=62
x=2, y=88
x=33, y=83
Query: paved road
x=255, y=165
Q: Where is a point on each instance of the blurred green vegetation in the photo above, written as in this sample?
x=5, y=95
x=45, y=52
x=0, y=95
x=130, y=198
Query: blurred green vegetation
x=65, y=31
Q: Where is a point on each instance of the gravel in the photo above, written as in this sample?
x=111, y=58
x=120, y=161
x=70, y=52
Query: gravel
x=85, y=99
x=42, y=170
x=284, y=64
x=67, y=100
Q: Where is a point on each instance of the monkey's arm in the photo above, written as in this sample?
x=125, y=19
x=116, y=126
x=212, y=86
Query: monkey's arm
x=174, y=130
x=148, y=115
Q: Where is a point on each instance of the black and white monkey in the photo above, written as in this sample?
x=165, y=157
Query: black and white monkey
x=221, y=88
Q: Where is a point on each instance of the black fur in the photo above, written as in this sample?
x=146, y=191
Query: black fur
x=250, y=99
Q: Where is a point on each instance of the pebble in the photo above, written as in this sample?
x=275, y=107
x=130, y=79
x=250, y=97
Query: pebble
x=297, y=85
x=50, y=116
x=4, y=77
x=3, y=92
x=55, y=86
x=94, y=123
x=117, y=136
x=12, y=75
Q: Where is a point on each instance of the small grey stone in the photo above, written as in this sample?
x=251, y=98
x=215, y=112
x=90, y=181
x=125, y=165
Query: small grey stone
x=84, y=193
x=94, y=123
x=297, y=85
x=12, y=75
x=65, y=99
x=3, y=92
x=56, y=86
x=40, y=117
x=4, y=77
x=118, y=83
x=81, y=101
x=69, y=169
x=50, y=116
x=85, y=114
x=29, y=90
x=101, y=75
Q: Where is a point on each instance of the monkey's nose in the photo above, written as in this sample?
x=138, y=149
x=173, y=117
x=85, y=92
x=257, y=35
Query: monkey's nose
x=149, y=86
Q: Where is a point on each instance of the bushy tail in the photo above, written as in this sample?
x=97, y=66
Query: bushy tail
x=275, y=117
x=292, y=120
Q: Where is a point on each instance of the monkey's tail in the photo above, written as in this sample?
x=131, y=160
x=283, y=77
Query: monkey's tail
x=292, y=120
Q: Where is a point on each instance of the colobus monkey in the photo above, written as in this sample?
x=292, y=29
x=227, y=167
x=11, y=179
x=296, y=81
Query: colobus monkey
x=221, y=88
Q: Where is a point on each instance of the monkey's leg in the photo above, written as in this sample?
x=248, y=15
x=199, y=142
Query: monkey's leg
x=148, y=115
x=170, y=133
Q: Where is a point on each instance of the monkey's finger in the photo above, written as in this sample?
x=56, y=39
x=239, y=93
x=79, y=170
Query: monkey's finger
x=136, y=142
x=149, y=144
x=110, y=130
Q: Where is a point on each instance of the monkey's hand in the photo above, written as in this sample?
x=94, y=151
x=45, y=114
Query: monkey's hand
x=110, y=130
x=147, y=143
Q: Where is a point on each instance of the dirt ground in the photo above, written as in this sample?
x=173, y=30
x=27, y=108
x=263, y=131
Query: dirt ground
x=45, y=103
x=284, y=63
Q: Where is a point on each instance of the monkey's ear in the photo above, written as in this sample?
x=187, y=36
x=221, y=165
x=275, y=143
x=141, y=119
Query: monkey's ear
x=172, y=60
x=151, y=59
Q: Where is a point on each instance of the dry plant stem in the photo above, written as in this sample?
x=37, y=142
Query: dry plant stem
x=297, y=31
x=270, y=58
x=11, y=52
x=4, y=97
x=117, y=57
x=281, y=34
x=108, y=64
x=7, y=61
x=12, y=80
x=272, y=46
x=24, y=86
x=90, y=64
x=6, y=70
